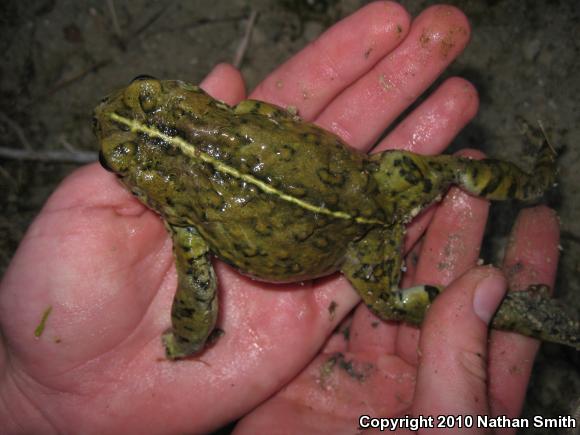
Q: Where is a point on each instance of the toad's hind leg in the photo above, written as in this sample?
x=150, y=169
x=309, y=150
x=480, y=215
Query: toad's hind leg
x=498, y=180
x=534, y=313
x=410, y=181
x=373, y=266
x=194, y=310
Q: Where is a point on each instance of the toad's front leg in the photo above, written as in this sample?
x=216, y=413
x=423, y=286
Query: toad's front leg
x=195, y=306
x=373, y=267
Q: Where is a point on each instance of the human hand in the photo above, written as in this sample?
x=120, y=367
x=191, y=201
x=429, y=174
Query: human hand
x=452, y=369
x=103, y=262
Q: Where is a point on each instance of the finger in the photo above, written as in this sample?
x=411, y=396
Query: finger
x=367, y=331
x=453, y=240
x=432, y=126
x=312, y=78
x=411, y=262
x=452, y=372
x=420, y=132
x=369, y=334
x=418, y=226
x=532, y=253
x=339, y=340
x=450, y=247
x=225, y=83
x=361, y=113
x=531, y=258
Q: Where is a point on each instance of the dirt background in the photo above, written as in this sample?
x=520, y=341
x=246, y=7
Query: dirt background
x=61, y=57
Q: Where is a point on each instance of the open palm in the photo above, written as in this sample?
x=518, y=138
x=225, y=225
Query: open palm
x=103, y=263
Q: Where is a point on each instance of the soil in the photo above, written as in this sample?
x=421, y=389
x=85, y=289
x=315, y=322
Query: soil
x=61, y=57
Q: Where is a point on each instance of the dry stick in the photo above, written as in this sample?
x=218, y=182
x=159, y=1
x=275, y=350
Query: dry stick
x=541, y=124
x=241, y=51
x=204, y=22
x=18, y=130
x=68, y=81
x=112, y=11
x=147, y=24
x=87, y=156
x=101, y=63
x=4, y=173
x=70, y=154
x=45, y=156
x=48, y=155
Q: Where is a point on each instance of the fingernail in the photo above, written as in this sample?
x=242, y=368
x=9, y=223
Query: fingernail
x=487, y=296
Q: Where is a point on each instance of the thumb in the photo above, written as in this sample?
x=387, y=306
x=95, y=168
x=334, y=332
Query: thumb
x=452, y=372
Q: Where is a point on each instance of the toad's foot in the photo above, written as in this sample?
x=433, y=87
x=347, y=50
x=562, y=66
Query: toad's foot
x=531, y=312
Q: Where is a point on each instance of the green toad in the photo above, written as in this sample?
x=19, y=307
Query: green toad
x=283, y=200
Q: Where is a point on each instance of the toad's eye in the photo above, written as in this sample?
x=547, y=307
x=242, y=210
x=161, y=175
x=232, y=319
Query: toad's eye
x=103, y=162
x=143, y=77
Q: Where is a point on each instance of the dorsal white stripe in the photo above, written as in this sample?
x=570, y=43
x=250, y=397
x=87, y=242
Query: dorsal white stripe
x=191, y=151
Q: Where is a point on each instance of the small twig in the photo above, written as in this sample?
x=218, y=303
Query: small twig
x=70, y=155
x=113, y=12
x=48, y=156
x=541, y=124
x=66, y=144
x=201, y=22
x=18, y=130
x=66, y=82
x=570, y=236
x=4, y=173
x=243, y=46
x=148, y=23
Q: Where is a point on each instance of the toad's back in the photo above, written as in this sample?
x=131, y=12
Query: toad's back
x=285, y=201
x=277, y=198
